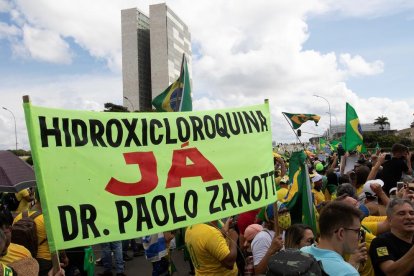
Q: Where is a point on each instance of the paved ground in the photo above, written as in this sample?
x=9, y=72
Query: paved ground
x=140, y=266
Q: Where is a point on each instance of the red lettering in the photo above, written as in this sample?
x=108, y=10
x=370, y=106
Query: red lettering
x=149, y=179
x=200, y=167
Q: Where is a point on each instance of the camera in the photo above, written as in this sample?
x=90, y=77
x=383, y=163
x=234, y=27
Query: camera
x=388, y=156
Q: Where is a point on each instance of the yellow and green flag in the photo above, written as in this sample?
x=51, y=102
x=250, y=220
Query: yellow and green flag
x=297, y=119
x=299, y=198
x=177, y=96
x=353, y=131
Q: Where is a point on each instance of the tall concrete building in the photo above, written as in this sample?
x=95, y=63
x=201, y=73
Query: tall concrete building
x=152, y=49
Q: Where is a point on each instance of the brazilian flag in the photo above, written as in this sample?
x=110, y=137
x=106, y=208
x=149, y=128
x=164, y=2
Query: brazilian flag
x=298, y=119
x=353, y=131
x=299, y=198
x=177, y=96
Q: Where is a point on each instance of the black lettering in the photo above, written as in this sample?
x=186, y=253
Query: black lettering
x=236, y=129
x=262, y=119
x=155, y=212
x=264, y=176
x=88, y=220
x=96, y=132
x=173, y=211
x=81, y=137
x=168, y=139
x=143, y=214
x=197, y=127
x=251, y=120
x=132, y=136
x=255, y=186
x=45, y=132
x=215, y=190
x=183, y=129
x=227, y=197
x=65, y=126
x=209, y=126
x=188, y=195
x=123, y=218
x=144, y=132
x=244, y=191
x=155, y=123
x=221, y=126
x=118, y=133
x=68, y=235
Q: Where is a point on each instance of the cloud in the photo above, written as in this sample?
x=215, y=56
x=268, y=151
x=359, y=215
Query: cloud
x=357, y=66
x=244, y=54
x=44, y=45
x=8, y=31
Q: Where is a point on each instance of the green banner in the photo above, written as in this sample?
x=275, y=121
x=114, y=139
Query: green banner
x=106, y=176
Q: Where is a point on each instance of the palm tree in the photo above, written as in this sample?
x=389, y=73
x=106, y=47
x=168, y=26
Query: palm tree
x=381, y=121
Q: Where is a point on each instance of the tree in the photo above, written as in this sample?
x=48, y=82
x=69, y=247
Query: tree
x=110, y=107
x=381, y=121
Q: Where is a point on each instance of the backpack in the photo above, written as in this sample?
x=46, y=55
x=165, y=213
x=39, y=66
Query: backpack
x=294, y=262
x=24, y=232
x=9, y=200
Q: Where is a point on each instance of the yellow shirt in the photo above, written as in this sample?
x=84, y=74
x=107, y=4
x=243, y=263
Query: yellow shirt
x=318, y=197
x=281, y=193
x=43, y=250
x=24, y=204
x=371, y=223
x=208, y=248
x=15, y=252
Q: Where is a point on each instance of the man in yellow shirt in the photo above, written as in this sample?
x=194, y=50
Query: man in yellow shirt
x=25, y=198
x=43, y=254
x=11, y=252
x=318, y=196
x=212, y=252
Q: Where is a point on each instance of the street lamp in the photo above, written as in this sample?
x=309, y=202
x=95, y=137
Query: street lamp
x=126, y=98
x=330, y=119
x=15, y=129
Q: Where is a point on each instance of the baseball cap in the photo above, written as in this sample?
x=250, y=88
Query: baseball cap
x=394, y=189
x=367, y=189
x=319, y=167
x=284, y=179
x=316, y=178
x=251, y=231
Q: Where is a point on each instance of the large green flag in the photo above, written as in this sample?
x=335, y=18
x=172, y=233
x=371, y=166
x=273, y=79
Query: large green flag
x=353, y=131
x=299, y=197
x=298, y=119
x=177, y=96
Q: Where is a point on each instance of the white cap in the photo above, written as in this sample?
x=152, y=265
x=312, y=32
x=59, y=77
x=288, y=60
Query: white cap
x=367, y=187
x=394, y=189
x=316, y=178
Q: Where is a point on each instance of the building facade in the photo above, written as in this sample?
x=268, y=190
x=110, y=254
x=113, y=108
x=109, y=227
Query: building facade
x=152, y=50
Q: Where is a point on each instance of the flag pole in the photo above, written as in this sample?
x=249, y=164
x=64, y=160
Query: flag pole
x=182, y=73
x=297, y=137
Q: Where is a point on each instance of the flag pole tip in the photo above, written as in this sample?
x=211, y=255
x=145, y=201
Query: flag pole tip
x=26, y=98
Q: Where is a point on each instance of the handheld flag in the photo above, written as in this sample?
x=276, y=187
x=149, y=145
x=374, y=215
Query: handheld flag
x=177, y=96
x=353, y=131
x=299, y=198
x=298, y=119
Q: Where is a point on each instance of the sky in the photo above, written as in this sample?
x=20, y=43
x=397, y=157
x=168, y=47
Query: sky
x=67, y=54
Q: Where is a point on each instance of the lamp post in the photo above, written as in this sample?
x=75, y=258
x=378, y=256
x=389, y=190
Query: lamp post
x=15, y=128
x=330, y=119
x=126, y=98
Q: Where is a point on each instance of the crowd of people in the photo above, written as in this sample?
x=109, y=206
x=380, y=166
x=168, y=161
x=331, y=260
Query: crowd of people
x=365, y=222
x=365, y=226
